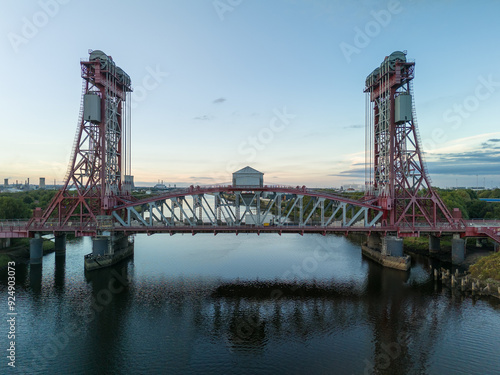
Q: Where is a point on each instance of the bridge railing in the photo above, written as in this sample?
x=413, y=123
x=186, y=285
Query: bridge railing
x=14, y=223
x=69, y=225
x=482, y=223
x=239, y=187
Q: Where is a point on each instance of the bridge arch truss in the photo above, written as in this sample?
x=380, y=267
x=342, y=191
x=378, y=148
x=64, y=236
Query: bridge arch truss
x=240, y=208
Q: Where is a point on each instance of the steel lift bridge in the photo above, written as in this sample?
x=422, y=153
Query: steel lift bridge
x=96, y=198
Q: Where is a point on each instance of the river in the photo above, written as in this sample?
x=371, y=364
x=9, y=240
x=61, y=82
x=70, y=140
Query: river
x=188, y=305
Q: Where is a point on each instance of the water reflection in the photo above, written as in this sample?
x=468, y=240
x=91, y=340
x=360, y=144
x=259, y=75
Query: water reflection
x=60, y=274
x=36, y=278
x=401, y=329
x=110, y=302
x=352, y=316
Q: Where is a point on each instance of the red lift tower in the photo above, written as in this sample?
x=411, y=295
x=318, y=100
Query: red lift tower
x=396, y=175
x=99, y=175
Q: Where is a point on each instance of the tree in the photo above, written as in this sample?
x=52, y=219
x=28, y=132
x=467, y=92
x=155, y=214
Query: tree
x=27, y=199
x=11, y=208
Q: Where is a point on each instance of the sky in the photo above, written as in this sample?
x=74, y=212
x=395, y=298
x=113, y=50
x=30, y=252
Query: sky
x=277, y=85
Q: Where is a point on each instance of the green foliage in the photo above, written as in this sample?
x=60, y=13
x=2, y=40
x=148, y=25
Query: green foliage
x=12, y=208
x=21, y=205
x=27, y=199
x=139, y=196
x=48, y=246
x=20, y=242
x=487, y=267
x=478, y=209
x=4, y=260
x=495, y=193
x=469, y=204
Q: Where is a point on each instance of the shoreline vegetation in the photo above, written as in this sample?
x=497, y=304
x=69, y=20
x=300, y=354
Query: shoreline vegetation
x=19, y=250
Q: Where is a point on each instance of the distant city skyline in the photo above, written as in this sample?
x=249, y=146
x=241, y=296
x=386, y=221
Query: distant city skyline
x=219, y=85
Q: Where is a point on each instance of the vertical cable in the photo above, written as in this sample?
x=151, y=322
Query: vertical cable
x=367, y=141
x=129, y=129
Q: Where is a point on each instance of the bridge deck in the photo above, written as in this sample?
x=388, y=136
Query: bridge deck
x=21, y=229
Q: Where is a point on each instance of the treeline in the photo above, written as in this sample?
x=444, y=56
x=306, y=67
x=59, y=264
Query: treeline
x=21, y=205
x=467, y=200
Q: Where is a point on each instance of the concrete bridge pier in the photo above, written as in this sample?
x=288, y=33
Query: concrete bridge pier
x=60, y=244
x=373, y=241
x=434, y=244
x=36, y=250
x=392, y=245
x=119, y=242
x=457, y=249
x=387, y=251
x=100, y=245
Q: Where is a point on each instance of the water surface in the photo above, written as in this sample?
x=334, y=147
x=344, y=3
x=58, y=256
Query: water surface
x=184, y=305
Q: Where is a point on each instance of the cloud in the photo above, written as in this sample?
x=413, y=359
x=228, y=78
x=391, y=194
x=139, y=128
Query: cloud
x=467, y=163
x=354, y=172
x=487, y=156
x=200, y=178
x=204, y=118
x=355, y=126
x=491, y=143
x=463, y=169
x=219, y=100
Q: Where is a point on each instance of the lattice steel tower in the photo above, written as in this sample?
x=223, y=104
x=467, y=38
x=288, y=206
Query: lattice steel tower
x=396, y=175
x=99, y=174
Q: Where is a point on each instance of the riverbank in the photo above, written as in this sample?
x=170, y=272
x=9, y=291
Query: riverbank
x=473, y=253
x=477, y=275
x=467, y=284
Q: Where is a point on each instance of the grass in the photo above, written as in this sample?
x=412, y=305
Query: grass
x=48, y=246
x=422, y=243
x=487, y=267
x=20, y=242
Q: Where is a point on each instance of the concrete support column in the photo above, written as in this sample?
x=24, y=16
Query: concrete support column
x=434, y=244
x=373, y=241
x=36, y=250
x=60, y=244
x=119, y=242
x=100, y=245
x=457, y=249
x=392, y=245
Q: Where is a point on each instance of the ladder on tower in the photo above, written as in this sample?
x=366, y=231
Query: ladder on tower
x=77, y=135
x=417, y=134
